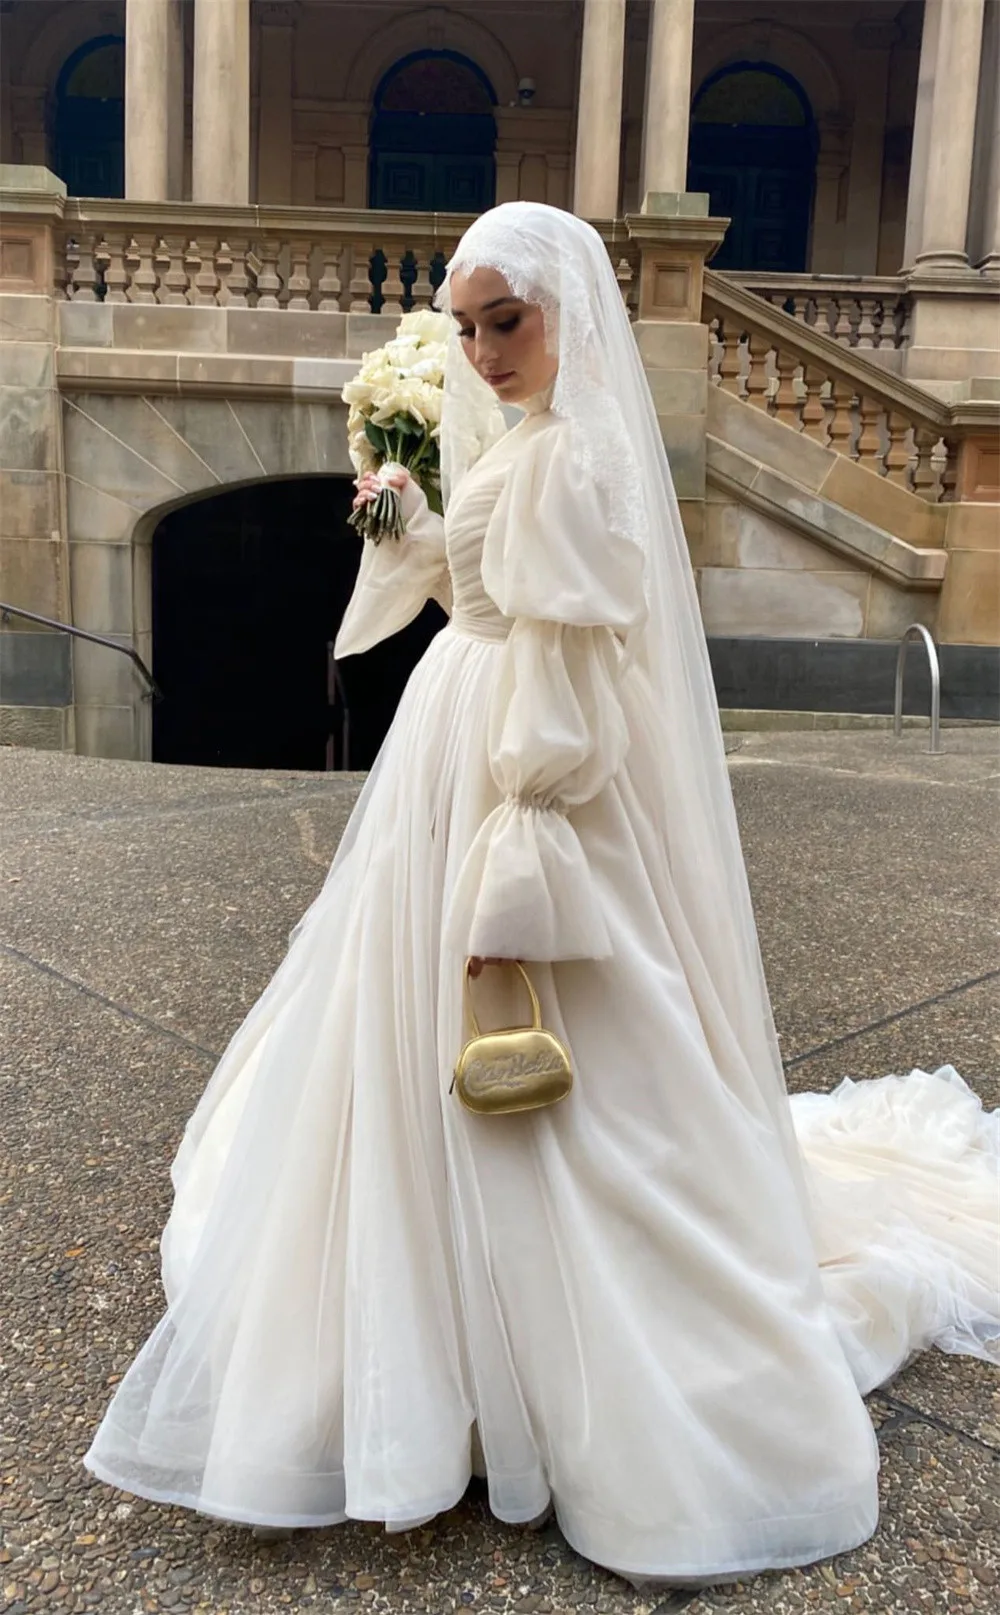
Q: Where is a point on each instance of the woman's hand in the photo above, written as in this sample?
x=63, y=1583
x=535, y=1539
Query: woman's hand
x=477, y=965
x=370, y=486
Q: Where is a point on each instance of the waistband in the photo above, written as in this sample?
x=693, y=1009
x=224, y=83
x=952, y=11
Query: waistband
x=494, y=630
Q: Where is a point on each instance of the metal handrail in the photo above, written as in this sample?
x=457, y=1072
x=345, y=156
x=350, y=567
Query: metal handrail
x=935, y=669
x=7, y=611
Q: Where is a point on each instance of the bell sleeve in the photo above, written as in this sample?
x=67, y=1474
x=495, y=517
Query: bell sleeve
x=556, y=730
x=397, y=578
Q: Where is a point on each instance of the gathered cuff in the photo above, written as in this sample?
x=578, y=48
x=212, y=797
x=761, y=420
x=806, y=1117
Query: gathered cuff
x=526, y=890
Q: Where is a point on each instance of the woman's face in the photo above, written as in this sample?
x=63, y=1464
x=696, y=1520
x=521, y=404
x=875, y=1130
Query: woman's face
x=503, y=338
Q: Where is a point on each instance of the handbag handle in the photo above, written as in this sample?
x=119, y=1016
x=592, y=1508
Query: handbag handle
x=536, y=1008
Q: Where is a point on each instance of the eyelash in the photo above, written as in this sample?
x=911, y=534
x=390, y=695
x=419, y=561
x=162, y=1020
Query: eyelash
x=501, y=325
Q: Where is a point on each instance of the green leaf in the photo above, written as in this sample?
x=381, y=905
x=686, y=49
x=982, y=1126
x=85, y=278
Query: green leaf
x=376, y=437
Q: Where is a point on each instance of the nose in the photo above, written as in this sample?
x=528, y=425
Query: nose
x=486, y=350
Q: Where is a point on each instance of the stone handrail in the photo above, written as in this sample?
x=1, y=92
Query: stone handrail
x=870, y=312
x=836, y=395
x=300, y=259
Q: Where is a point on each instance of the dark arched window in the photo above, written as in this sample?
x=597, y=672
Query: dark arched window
x=753, y=149
x=90, y=119
x=433, y=136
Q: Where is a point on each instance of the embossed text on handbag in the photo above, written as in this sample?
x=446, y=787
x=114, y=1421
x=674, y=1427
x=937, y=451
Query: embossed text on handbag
x=516, y=1068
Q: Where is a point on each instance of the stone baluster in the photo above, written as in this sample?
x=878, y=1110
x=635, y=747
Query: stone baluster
x=624, y=275
x=84, y=278
x=173, y=287
x=361, y=277
x=898, y=450
x=867, y=307
x=814, y=409
x=142, y=272
x=233, y=273
x=268, y=279
x=393, y=290
x=730, y=360
x=300, y=278
x=116, y=274
x=925, y=476
x=841, y=423
x=785, y=404
x=203, y=282
x=869, y=449
x=422, y=292
x=331, y=283
x=843, y=331
x=758, y=380
x=826, y=306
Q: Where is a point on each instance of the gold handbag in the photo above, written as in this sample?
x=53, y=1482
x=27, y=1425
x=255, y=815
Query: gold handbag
x=516, y=1068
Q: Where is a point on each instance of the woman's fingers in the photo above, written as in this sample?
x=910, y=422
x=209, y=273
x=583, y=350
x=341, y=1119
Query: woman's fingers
x=477, y=965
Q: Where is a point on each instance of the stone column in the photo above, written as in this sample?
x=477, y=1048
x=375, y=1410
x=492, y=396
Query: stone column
x=668, y=98
x=221, y=119
x=950, y=140
x=921, y=132
x=154, y=100
x=986, y=181
x=599, y=110
x=274, y=124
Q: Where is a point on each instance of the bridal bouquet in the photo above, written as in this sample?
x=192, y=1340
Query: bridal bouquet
x=395, y=417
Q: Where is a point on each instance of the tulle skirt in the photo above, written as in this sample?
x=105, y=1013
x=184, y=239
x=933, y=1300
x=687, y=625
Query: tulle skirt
x=617, y=1305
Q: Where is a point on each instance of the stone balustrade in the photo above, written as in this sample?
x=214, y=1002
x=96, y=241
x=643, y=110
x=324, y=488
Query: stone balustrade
x=812, y=352
x=805, y=378
x=302, y=260
x=870, y=314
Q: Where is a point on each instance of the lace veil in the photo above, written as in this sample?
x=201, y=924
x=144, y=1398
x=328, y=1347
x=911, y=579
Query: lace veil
x=557, y=261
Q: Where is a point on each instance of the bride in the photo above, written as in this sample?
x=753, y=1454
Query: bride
x=655, y=1306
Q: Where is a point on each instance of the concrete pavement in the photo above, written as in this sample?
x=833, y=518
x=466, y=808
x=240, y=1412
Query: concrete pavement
x=141, y=911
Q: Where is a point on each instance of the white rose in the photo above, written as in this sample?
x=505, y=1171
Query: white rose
x=426, y=324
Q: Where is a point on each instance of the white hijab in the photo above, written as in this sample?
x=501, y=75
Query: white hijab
x=557, y=261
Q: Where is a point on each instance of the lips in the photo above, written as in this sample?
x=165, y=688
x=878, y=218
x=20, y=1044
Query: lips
x=498, y=381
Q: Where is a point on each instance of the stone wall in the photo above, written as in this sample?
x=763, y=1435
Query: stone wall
x=36, y=691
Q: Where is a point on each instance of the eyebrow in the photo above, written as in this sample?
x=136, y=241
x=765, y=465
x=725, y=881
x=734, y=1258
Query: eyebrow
x=497, y=302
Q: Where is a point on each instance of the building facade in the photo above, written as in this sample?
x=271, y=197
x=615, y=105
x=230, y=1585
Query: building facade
x=212, y=206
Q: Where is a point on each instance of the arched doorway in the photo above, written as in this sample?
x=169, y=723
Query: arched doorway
x=433, y=136
x=249, y=587
x=753, y=149
x=90, y=119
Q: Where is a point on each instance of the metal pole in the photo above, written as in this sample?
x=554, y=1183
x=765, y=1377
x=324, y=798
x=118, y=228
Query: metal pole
x=152, y=688
x=917, y=628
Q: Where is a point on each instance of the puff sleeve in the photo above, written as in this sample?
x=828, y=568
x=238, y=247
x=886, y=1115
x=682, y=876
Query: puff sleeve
x=556, y=732
x=397, y=578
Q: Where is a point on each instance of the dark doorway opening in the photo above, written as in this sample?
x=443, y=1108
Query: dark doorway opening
x=753, y=149
x=433, y=136
x=248, y=591
x=90, y=119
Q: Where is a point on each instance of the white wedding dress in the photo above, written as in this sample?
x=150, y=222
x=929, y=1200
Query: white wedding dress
x=617, y=1301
